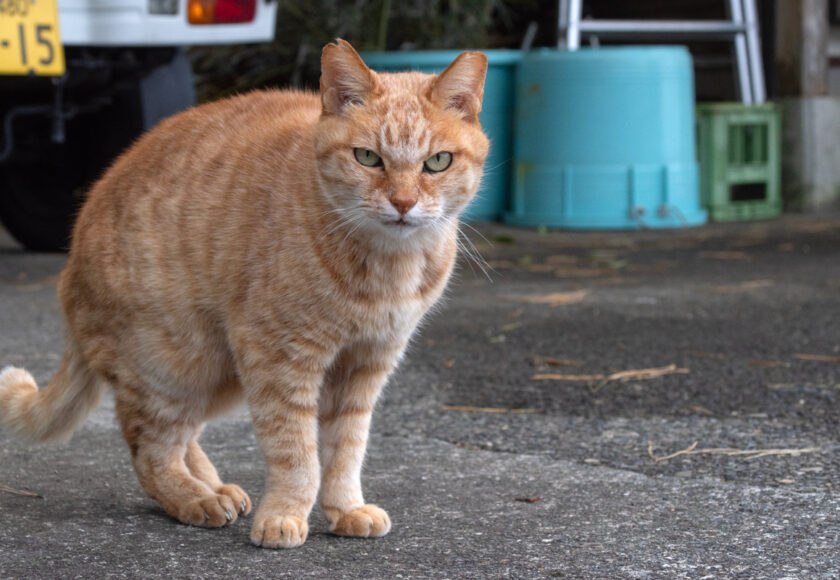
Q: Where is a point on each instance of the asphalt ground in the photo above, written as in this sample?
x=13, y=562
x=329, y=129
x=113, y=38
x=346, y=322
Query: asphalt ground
x=654, y=404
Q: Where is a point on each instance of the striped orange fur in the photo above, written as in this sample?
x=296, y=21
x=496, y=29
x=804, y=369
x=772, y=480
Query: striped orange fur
x=255, y=249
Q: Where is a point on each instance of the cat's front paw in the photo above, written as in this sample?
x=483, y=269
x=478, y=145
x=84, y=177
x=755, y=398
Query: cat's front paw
x=275, y=531
x=368, y=521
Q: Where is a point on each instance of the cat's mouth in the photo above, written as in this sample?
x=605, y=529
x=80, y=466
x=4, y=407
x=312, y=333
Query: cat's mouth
x=402, y=226
x=403, y=222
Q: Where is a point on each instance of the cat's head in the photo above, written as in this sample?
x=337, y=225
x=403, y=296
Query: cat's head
x=400, y=153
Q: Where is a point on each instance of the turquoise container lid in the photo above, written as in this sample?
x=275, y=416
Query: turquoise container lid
x=423, y=60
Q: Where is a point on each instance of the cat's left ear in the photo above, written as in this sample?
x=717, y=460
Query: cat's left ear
x=460, y=87
x=345, y=79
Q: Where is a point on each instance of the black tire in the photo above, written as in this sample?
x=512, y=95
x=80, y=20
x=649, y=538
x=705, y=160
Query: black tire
x=38, y=203
x=43, y=187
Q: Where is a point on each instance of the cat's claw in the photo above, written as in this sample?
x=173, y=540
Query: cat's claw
x=213, y=511
x=238, y=498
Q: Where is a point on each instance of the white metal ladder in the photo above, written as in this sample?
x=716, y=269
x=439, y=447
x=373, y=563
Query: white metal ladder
x=741, y=28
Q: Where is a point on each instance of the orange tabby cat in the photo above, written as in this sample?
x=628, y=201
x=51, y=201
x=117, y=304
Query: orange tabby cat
x=279, y=247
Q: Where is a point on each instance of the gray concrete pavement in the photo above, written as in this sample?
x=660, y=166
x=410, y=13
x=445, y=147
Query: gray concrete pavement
x=490, y=471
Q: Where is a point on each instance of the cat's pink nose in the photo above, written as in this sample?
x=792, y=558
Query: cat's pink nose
x=403, y=204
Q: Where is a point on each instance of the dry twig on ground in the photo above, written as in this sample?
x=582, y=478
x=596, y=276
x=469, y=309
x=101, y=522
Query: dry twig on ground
x=470, y=409
x=747, y=454
x=14, y=491
x=818, y=357
x=553, y=299
x=637, y=374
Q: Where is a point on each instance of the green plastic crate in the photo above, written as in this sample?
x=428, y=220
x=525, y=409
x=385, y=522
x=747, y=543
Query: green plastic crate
x=740, y=167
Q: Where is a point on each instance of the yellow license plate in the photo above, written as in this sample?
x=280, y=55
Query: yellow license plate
x=29, y=39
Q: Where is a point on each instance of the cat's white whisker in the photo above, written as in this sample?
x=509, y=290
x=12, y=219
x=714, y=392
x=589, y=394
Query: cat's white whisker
x=346, y=219
x=358, y=223
x=482, y=236
x=471, y=252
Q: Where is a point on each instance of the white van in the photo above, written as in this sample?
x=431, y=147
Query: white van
x=80, y=80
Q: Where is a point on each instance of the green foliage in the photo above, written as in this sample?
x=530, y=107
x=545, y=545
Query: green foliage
x=303, y=28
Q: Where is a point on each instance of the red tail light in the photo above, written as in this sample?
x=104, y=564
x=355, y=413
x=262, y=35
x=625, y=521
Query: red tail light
x=220, y=11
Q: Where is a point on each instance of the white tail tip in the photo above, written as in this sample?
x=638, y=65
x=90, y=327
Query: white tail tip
x=10, y=375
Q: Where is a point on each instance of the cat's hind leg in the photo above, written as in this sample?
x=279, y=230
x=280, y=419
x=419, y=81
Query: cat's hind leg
x=201, y=468
x=159, y=432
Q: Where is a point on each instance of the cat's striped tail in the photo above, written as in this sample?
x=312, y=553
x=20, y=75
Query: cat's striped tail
x=55, y=411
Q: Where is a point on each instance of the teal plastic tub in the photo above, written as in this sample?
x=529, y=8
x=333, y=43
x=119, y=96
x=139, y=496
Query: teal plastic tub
x=605, y=139
x=496, y=116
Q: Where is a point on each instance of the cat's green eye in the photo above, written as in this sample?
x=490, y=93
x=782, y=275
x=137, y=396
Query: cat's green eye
x=367, y=157
x=438, y=162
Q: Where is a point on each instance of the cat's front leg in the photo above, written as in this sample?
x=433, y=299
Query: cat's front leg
x=347, y=399
x=283, y=397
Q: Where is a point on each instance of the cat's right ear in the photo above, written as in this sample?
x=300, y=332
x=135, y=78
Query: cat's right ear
x=460, y=88
x=345, y=79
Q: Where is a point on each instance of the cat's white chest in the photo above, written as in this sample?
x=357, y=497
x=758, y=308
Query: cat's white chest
x=386, y=298
x=391, y=320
